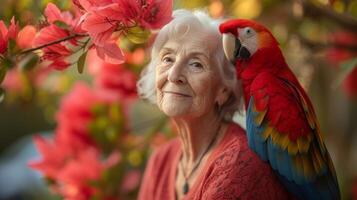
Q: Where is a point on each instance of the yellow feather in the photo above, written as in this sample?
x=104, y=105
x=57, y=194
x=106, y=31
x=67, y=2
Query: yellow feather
x=292, y=148
x=303, y=144
x=259, y=119
x=298, y=164
x=308, y=170
x=267, y=132
x=274, y=136
x=285, y=142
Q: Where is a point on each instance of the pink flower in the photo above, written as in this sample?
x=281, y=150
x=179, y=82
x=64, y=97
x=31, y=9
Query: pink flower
x=131, y=180
x=350, y=84
x=13, y=81
x=59, y=55
x=155, y=13
x=26, y=36
x=114, y=79
x=104, y=18
x=7, y=33
x=76, y=177
x=53, y=14
x=56, y=53
x=73, y=173
x=109, y=52
x=75, y=115
x=337, y=56
x=54, y=156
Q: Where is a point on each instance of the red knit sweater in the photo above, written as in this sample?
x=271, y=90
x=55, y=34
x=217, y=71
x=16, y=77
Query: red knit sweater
x=232, y=171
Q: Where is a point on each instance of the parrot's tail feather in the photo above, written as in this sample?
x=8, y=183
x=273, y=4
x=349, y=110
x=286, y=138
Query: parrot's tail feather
x=324, y=188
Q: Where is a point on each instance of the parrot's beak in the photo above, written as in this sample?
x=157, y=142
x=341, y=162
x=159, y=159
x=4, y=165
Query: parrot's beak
x=233, y=48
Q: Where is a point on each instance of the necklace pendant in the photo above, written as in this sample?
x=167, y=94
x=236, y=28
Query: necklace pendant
x=185, y=188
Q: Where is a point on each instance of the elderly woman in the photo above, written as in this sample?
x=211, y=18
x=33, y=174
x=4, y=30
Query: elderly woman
x=191, y=81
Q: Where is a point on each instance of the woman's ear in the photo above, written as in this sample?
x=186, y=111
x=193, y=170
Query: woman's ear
x=222, y=95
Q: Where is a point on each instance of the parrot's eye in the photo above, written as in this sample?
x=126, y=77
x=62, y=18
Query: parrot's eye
x=248, y=32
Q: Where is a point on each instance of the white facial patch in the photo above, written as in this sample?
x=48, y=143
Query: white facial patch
x=249, y=39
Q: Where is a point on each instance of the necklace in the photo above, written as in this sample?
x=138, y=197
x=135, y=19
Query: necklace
x=185, y=187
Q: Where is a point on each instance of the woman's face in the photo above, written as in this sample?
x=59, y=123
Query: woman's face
x=188, y=83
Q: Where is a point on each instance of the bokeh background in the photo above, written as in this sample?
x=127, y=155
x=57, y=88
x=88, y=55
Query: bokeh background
x=319, y=41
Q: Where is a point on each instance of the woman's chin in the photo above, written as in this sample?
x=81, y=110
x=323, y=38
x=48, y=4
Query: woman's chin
x=174, y=112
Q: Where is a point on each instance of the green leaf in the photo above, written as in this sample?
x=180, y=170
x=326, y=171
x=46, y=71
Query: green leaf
x=81, y=61
x=2, y=94
x=345, y=69
x=138, y=35
x=61, y=24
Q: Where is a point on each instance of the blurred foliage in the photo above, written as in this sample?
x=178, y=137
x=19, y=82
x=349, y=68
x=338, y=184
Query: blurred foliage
x=309, y=33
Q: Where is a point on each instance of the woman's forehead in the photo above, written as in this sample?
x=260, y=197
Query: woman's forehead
x=188, y=46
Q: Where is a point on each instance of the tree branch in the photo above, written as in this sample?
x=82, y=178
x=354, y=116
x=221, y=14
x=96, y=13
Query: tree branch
x=52, y=43
x=345, y=20
x=318, y=45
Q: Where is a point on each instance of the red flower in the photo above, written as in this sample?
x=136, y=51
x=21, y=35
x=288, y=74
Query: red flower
x=76, y=178
x=14, y=81
x=75, y=115
x=110, y=78
x=155, y=13
x=56, y=54
x=73, y=173
x=73, y=160
x=131, y=180
x=54, y=157
x=6, y=34
x=26, y=36
x=53, y=14
x=59, y=55
x=350, y=84
x=103, y=18
x=337, y=55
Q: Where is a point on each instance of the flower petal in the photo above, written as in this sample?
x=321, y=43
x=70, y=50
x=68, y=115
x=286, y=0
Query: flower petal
x=111, y=53
x=3, y=29
x=13, y=29
x=52, y=13
x=26, y=36
x=157, y=14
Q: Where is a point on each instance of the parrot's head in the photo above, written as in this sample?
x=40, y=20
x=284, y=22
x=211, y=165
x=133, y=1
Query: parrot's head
x=243, y=38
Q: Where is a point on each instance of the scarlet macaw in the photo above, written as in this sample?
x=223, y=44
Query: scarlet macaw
x=281, y=123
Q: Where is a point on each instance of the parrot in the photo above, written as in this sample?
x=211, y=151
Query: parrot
x=281, y=123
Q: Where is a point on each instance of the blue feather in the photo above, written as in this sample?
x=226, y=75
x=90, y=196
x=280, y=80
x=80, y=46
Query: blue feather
x=322, y=187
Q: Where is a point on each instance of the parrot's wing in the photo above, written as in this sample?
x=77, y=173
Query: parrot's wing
x=282, y=128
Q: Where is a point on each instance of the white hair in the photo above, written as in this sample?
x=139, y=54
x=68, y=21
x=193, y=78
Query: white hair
x=182, y=24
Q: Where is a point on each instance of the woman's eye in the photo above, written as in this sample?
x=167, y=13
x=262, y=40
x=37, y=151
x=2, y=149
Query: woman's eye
x=167, y=60
x=197, y=65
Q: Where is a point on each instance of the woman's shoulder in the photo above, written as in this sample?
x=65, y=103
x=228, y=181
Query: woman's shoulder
x=240, y=171
x=235, y=150
x=235, y=154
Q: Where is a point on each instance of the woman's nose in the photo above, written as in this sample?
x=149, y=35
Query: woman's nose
x=176, y=74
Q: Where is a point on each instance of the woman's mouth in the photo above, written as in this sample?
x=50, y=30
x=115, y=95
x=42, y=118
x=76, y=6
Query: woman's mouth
x=177, y=93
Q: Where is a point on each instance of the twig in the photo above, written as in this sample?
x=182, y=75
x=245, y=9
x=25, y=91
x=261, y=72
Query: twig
x=323, y=45
x=345, y=20
x=52, y=43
